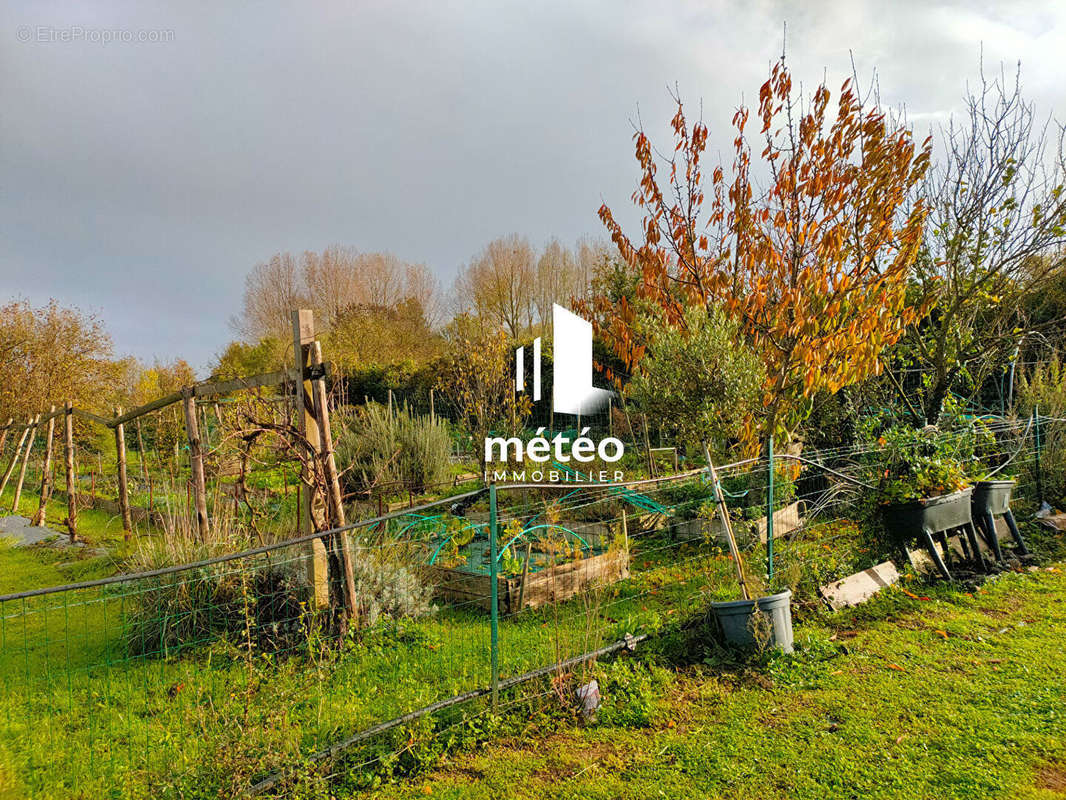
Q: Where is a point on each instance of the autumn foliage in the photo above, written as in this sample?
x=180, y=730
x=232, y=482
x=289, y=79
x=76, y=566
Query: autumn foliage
x=813, y=265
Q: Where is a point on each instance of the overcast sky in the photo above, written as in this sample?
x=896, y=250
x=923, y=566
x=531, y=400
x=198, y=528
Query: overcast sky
x=142, y=180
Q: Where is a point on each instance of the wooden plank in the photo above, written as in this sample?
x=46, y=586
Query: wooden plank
x=91, y=417
x=46, y=471
x=123, y=486
x=921, y=560
x=1057, y=522
x=140, y=411
x=786, y=520
x=857, y=588
x=219, y=388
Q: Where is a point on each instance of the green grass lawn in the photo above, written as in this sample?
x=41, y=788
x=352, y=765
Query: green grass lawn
x=943, y=695
x=954, y=696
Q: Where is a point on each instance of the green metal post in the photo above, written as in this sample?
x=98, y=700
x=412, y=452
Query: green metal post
x=1039, y=471
x=494, y=641
x=770, y=511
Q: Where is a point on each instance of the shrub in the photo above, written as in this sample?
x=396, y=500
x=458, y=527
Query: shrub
x=908, y=463
x=244, y=602
x=389, y=586
x=375, y=448
x=701, y=379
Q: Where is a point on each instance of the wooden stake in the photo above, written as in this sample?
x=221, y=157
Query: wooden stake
x=3, y=434
x=196, y=464
x=72, y=486
x=46, y=471
x=14, y=457
x=432, y=413
x=311, y=506
x=647, y=447
x=723, y=515
x=123, y=486
x=25, y=463
x=140, y=452
x=333, y=484
x=525, y=576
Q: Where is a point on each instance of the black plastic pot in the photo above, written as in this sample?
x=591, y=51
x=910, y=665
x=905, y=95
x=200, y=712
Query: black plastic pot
x=735, y=617
x=907, y=521
x=991, y=497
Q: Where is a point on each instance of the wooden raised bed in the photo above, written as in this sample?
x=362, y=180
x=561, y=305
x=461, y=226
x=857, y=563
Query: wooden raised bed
x=551, y=585
x=786, y=521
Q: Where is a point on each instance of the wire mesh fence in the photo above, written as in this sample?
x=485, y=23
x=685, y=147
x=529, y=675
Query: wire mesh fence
x=222, y=676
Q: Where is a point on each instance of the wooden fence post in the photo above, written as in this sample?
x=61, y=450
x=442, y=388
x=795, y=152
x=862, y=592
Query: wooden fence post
x=25, y=463
x=196, y=463
x=333, y=484
x=46, y=471
x=72, y=486
x=14, y=457
x=432, y=409
x=123, y=486
x=303, y=334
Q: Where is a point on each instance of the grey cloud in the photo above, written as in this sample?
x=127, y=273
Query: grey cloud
x=144, y=180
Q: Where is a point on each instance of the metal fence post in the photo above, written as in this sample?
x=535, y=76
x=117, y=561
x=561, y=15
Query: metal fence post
x=770, y=510
x=494, y=613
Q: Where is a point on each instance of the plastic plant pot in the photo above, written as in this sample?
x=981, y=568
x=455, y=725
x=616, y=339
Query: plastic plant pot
x=735, y=617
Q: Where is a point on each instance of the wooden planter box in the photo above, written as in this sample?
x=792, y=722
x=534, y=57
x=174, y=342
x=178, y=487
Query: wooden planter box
x=786, y=520
x=552, y=585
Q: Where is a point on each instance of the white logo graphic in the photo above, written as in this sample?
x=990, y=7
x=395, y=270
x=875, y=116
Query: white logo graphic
x=572, y=389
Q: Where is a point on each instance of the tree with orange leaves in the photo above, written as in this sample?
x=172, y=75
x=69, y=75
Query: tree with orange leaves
x=813, y=266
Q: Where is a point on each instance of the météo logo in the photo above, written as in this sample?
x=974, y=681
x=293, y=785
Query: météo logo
x=572, y=389
x=572, y=393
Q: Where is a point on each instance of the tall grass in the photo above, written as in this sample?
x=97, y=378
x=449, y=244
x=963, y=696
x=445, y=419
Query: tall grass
x=260, y=600
x=1044, y=389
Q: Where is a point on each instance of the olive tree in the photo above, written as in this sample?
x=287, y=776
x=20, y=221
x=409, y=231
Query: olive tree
x=701, y=378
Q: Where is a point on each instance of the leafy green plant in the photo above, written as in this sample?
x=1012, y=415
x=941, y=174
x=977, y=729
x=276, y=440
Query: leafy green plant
x=912, y=463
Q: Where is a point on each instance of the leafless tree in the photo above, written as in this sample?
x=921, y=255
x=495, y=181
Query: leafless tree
x=995, y=232
x=499, y=284
x=331, y=282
